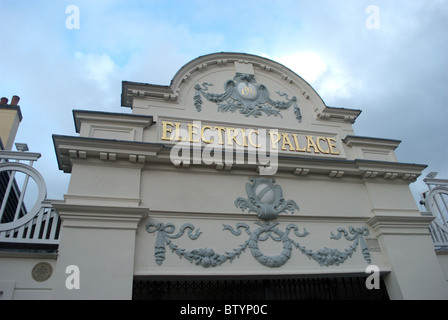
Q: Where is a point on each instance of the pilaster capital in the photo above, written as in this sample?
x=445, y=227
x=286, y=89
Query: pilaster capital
x=400, y=225
x=100, y=217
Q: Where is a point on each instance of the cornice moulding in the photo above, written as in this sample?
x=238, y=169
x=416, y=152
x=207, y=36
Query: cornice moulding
x=69, y=148
x=131, y=89
x=129, y=119
x=340, y=114
x=371, y=142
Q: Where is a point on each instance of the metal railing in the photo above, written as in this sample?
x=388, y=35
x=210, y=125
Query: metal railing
x=309, y=288
x=435, y=201
x=439, y=235
x=21, y=220
x=43, y=228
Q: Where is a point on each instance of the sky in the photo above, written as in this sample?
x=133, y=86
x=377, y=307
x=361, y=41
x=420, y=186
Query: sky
x=387, y=58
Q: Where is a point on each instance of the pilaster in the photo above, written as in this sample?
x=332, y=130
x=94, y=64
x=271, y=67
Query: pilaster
x=415, y=270
x=100, y=242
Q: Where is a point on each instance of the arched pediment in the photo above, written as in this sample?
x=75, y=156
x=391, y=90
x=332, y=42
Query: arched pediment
x=246, y=63
x=236, y=88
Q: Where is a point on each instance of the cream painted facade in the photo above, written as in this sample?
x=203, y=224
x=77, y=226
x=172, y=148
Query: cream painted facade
x=334, y=204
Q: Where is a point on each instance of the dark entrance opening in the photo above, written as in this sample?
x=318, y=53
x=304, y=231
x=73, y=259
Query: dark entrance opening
x=336, y=288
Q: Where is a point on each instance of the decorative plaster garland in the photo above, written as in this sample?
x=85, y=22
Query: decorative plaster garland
x=245, y=95
x=266, y=199
x=206, y=257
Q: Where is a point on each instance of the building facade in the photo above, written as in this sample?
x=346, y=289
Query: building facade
x=236, y=175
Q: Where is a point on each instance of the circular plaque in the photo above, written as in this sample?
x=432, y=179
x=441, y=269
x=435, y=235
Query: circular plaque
x=247, y=90
x=42, y=271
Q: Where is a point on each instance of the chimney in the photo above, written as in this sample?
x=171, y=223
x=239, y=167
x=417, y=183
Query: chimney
x=10, y=118
x=15, y=100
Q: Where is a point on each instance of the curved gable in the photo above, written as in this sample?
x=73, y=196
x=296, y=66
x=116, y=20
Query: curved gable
x=235, y=88
x=234, y=95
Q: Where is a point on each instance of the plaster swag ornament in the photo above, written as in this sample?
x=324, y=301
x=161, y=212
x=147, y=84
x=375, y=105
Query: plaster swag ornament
x=245, y=95
x=265, y=199
x=207, y=257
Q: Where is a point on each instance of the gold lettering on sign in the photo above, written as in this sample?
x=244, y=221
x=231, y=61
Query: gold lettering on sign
x=274, y=141
x=178, y=132
x=243, y=132
x=296, y=141
x=252, y=143
x=197, y=132
x=310, y=144
x=220, y=139
x=191, y=132
x=232, y=137
x=327, y=151
x=165, y=130
x=331, y=144
x=203, y=136
x=286, y=141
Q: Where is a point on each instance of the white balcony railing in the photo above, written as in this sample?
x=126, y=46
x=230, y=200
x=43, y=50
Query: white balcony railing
x=439, y=234
x=435, y=201
x=43, y=228
x=26, y=216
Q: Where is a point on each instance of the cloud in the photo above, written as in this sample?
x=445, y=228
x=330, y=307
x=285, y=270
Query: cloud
x=95, y=67
x=396, y=74
x=324, y=74
x=309, y=65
